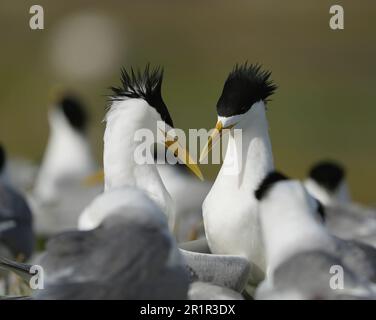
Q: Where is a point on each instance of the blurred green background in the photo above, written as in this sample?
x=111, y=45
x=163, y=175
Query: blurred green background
x=324, y=107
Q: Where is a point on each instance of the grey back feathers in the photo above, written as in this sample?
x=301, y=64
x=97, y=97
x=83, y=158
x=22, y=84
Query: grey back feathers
x=245, y=85
x=118, y=260
x=145, y=85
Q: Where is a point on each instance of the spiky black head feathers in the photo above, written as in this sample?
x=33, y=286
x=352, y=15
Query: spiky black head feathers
x=245, y=85
x=74, y=112
x=2, y=158
x=272, y=178
x=145, y=85
x=327, y=174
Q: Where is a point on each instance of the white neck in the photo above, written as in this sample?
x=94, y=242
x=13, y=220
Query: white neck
x=289, y=225
x=341, y=195
x=254, y=154
x=123, y=120
x=67, y=156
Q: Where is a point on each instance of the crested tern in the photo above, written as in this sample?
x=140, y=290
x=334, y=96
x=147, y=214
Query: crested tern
x=137, y=104
x=230, y=208
x=345, y=218
x=300, y=251
x=58, y=195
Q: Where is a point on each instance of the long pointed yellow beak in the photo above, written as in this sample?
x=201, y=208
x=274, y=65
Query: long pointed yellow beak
x=183, y=155
x=212, y=140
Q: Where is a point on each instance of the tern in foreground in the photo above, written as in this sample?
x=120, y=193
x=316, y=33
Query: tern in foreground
x=344, y=218
x=230, y=208
x=301, y=254
x=131, y=255
x=59, y=196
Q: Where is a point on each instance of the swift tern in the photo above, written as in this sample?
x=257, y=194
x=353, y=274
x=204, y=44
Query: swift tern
x=58, y=195
x=230, y=208
x=300, y=251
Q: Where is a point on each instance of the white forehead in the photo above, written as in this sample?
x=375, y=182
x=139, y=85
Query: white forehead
x=256, y=108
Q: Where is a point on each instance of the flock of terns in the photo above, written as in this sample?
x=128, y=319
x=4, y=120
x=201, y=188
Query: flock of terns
x=155, y=231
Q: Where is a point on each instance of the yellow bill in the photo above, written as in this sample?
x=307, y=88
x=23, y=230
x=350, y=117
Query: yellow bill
x=214, y=138
x=172, y=144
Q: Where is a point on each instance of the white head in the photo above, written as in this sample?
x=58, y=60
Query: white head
x=137, y=104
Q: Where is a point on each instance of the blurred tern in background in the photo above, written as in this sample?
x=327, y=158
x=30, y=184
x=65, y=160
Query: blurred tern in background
x=300, y=251
x=16, y=225
x=59, y=196
x=344, y=218
x=230, y=208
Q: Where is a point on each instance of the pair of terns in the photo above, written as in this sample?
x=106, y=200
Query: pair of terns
x=134, y=194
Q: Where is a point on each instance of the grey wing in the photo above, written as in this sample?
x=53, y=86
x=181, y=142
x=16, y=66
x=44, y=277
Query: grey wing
x=348, y=222
x=207, y=291
x=359, y=257
x=21, y=269
x=223, y=270
x=308, y=274
x=74, y=291
x=131, y=257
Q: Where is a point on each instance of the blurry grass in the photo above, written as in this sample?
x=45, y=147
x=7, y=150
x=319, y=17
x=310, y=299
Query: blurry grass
x=324, y=106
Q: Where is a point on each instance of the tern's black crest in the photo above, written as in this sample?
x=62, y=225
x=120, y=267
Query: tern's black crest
x=75, y=112
x=245, y=85
x=2, y=158
x=328, y=174
x=145, y=85
x=268, y=182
